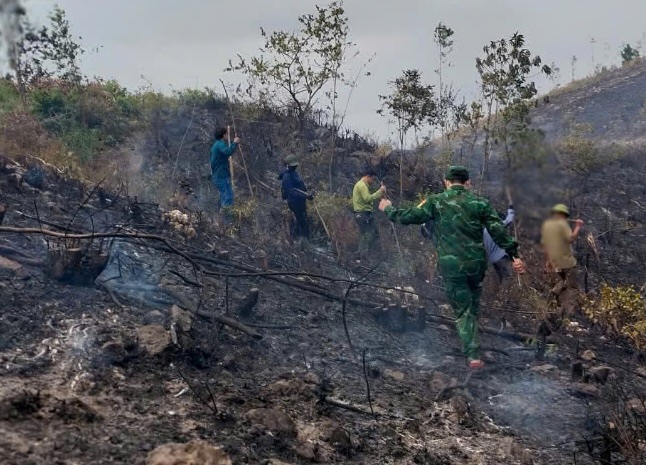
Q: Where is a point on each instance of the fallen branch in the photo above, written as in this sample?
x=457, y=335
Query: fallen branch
x=188, y=281
x=101, y=235
x=235, y=324
x=350, y=407
x=517, y=337
x=259, y=326
x=275, y=276
x=621, y=367
x=48, y=223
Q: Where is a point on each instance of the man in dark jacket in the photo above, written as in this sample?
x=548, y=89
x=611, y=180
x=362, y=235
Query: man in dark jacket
x=221, y=151
x=295, y=192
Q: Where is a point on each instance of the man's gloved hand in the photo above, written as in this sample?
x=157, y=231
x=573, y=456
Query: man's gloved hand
x=310, y=197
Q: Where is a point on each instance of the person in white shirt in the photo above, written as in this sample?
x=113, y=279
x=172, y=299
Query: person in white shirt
x=497, y=256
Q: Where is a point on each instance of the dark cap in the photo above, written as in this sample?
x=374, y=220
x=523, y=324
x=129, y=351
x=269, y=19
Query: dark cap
x=369, y=171
x=457, y=173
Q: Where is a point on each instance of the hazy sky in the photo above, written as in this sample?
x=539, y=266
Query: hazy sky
x=187, y=43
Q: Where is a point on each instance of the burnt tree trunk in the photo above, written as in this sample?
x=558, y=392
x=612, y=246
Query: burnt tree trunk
x=245, y=308
x=75, y=265
x=393, y=317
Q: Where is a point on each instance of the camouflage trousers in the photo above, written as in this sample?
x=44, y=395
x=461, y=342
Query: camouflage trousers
x=463, y=294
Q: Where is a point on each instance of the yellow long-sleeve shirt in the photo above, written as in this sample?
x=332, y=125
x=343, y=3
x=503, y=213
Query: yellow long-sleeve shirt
x=362, y=199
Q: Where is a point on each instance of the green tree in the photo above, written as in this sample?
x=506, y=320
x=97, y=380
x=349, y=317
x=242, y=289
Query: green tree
x=628, y=54
x=505, y=73
x=294, y=67
x=36, y=54
x=61, y=51
x=412, y=104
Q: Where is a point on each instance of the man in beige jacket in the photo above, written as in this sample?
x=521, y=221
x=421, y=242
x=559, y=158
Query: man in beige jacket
x=560, y=264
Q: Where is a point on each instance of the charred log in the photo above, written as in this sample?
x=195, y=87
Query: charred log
x=75, y=265
x=230, y=322
x=245, y=308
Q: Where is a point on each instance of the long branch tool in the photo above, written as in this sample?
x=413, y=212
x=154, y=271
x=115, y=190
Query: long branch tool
x=316, y=208
x=510, y=202
x=233, y=121
x=399, y=249
x=230, y=161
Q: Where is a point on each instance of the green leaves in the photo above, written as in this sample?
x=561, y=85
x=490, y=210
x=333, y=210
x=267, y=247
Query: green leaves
x=505, y=69
x=293, y=67
x=505, y=73
x=411, y=102
x=442, y=36
x=50, y=51
x=628, y=54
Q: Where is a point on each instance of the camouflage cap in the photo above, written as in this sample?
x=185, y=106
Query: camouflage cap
x=291, y=160
x=561, y=208
x=457, y=173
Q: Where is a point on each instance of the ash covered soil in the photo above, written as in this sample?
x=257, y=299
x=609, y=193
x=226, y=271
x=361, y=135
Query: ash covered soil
x=106, y=372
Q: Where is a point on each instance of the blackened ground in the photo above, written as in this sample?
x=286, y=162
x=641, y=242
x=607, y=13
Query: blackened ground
x=77, y=387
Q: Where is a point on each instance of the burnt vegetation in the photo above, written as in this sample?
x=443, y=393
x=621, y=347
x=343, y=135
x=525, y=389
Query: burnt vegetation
x=132, y=317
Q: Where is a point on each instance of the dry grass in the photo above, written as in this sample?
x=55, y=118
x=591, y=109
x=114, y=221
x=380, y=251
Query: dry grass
x=24, y=140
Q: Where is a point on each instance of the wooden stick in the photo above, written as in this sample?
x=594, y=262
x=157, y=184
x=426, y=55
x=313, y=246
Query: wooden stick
x=511, y=202
x=316, y=208
x=346, y=406
x=327, y=231
x=233, y=120
x=230, y=161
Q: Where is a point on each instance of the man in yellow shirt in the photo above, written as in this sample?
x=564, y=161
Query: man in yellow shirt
x=557, y=238
x=363, y=207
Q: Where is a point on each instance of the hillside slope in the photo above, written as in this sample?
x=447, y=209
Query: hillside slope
x=107, y=370
x=613, y=103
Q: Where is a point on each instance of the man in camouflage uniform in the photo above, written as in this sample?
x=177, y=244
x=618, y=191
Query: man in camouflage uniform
x=460, y=218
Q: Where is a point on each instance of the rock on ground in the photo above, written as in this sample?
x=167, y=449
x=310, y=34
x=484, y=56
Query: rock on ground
x=545, y=370
x=273, y=420
x=153, y=339
x=191, y=453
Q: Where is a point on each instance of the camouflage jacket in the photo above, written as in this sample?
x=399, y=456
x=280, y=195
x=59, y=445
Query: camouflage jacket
x=460, y=217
